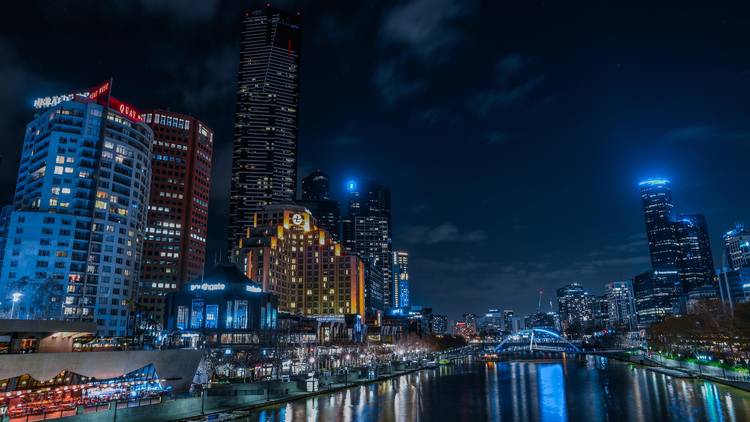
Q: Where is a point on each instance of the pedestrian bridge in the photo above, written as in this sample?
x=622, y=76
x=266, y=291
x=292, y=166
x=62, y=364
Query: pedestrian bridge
x=536, y=339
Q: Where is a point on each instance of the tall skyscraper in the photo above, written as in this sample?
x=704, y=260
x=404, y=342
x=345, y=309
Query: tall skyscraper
x=737, y=247
x=316, y=196
x=656, y=195
x=264, y=153
x=366, y=230
x=75, y=235
x=175, y=245
x=696, y=262
x=621, y=304
x=400, y=285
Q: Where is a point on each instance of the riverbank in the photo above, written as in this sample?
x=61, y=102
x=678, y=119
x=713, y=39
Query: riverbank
x=678, y=372
x=235, y=412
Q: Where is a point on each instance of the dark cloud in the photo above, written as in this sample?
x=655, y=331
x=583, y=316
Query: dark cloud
x=416, y=34
x=446, y=232
x=706, y=133
x=495, y=137
x=346, y=141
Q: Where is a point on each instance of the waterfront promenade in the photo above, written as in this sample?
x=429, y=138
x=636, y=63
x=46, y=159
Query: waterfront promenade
x=234, y=399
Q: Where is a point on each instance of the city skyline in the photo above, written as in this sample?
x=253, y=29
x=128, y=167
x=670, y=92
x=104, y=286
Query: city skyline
x=550, y=223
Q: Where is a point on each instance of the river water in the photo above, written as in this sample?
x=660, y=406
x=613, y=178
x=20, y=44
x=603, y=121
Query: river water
x=586, y=389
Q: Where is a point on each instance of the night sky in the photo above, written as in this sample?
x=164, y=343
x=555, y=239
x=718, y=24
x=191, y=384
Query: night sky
x=512, y=136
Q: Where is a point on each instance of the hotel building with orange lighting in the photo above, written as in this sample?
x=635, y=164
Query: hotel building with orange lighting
x=291, y=256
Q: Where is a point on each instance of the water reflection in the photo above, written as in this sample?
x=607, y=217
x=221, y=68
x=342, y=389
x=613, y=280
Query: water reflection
x=570, y=389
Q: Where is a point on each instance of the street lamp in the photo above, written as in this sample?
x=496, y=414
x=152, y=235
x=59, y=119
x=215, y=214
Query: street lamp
x=312, y=362
x=16, y=297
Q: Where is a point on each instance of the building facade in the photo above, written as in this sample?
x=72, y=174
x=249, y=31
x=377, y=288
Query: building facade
x=439, y=324
x=654, y=298
x=225, y=308
x=75, y=235
x=366, y=230
x=621, y=304
x=175, y=244
x=299, y=262
x=400, y=283
x=737, y=247
x=696, y=262
x=574, y=305
x=316, y=196
x=264, y=153
x=656, y=195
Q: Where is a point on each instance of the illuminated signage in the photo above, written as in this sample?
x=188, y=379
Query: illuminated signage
x=126, y=110
x=252, y=289
x=96, y=93
x=208, y=287
x=47, y=102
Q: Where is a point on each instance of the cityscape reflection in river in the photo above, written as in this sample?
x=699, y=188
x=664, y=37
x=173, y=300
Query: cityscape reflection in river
x=587, y=389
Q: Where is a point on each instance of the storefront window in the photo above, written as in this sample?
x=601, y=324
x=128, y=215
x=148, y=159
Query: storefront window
x=196, y=314
x=212, y=316
x=182, y=317
x=240, y=314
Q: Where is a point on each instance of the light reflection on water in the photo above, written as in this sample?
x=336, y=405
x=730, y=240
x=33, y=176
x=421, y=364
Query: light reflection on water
x=588, y=389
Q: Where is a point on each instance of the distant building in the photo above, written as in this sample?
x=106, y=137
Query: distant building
x=174, y=250
x=600, y=312
x=574, y=304
x=507, y=326
x=471, y=323
x=316, y=186
x=492, y=322
x=654, y=298
x=264, y=150
x=366, y=230
x=75, y=236
x=696, y=262
x=400, y=284
x=299, y=262
x=317, y=198
x=439, y=324
x=735, y=286
x=737, y=247
x=374, y=300
x=543, y=320
x=621, y=304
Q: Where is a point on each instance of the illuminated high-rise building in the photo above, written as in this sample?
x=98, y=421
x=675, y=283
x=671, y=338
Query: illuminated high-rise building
x=654, y=298
x=175, y=245
x=75, y=235
x=292, y=257
x=663, y=244
x=366, y=230
x=575, y=307
x=696, y=262
x=264, y=153
x=620, y=300
x=400, y=285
